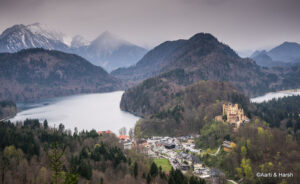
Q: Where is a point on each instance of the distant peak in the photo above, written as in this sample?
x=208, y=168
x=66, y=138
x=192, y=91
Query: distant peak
x=107, y=34
x=16, y=27
x=289, y=43
x=286, y=45
x=19, y=25
x=110, y=39
x=206, y=36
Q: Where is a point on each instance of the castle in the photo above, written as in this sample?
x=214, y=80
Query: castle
x=234, y=115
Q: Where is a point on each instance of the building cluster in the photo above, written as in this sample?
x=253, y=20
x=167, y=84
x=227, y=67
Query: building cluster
x=181, y=153
x=126, y=141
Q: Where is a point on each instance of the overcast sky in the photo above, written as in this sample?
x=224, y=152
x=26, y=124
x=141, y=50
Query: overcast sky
x=242, y=24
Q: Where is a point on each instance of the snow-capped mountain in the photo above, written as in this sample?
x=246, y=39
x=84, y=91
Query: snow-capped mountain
x=21, y=36
x=112, y=52
x=107, y=50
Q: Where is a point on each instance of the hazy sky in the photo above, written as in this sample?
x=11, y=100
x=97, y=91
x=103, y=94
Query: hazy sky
x=242, y=24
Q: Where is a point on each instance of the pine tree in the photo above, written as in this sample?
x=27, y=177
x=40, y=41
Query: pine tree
x=148, y=178
x=135, y=169
x=153, y=170
x=56, y=164
x=55, y=160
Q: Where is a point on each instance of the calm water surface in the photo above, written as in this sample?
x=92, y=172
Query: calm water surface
x=99, y=111
x=276, y=95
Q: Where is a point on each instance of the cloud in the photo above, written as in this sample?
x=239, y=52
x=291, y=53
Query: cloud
x=243, y=24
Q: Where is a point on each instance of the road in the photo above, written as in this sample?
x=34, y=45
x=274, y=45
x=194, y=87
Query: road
x=217, y=152
x=232, y=181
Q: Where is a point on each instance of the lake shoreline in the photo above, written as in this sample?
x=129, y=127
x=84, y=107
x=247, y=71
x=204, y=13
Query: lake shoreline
x=99, y=111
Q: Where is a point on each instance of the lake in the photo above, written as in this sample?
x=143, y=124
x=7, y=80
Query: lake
x=276, y=95
x=99, y=111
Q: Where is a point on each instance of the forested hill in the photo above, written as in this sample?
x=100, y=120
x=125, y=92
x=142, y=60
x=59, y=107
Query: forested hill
x=282, y=112
x=37, y=73
x=32, y=152
x=203, y=57
x=172, y=109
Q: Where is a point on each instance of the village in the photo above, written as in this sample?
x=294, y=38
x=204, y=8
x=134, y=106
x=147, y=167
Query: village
x=181, y=152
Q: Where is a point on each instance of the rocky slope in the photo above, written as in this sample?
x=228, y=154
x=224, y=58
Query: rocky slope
x=37, y=73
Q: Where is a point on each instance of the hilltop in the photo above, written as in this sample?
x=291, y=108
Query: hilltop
x=169, y=108
x=37, y=73
x=203, y=57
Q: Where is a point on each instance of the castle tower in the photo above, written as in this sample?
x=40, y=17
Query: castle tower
x=235, y=115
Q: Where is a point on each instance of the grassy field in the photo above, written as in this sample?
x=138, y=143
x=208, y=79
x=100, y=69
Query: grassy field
x=164, y=163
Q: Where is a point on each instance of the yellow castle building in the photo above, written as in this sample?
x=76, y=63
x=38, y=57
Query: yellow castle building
x=235, y=115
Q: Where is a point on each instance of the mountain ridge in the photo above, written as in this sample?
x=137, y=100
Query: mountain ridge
x=202, y=57
x=120, y=53
x=281, y=55
x=38, y=73
x=20, y=37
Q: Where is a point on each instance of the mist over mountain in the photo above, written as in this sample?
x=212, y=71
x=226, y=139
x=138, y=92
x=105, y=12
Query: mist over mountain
x=37, y=73
x=111, y=52
x=107, y=50
x=281, y=55
x=79, y=41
